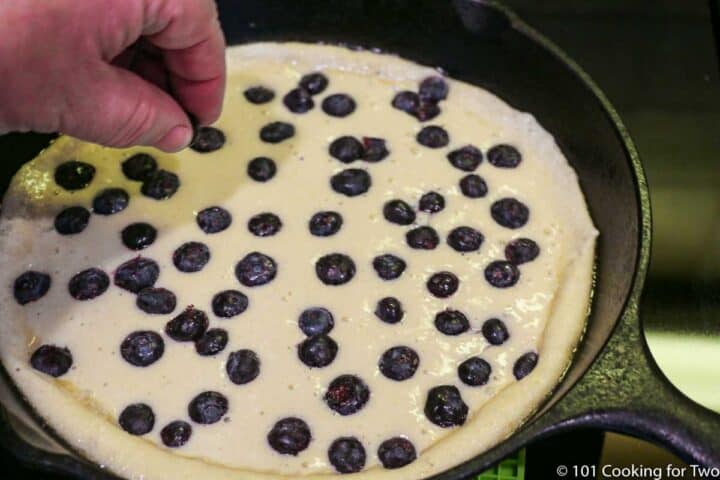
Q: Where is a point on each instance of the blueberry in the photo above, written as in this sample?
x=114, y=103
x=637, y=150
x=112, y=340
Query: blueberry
x=261, y=169
x=259, y=95
x=335, y=269
x=432, y=202
x=160, y=185
x=451, y=322
x=52, y=360
x=88, y=284
x=473, y=186
x=396, y=452
x=347, y=394
x=316, y=321
x=388, y=266
x=176, y=434
x=389, y=310
x=521, y=250
x=339, y=105
x=137, y=236
x=264, y=224
x=212, y=342
x=110, y=201
x=208, y=408
x=158, y=301
x=445, y=407
x=465, y=239
x=324, y=224
x=314, y=83
x=399, y=363
x=434, y=88
x=190, y=325
x=525, y=364
x=495, y=331
x=72, y=220
x=243, y=366
x=375, y=149
x=399, y=212
x=276, y=132
x=289, y=436
x=317, y=351
x=504, y=156
x=467, y=158
x=351, y=182
x=443, y=284
x=191, y=257
x=427, y=111
x=139, y=166
x=346, y=149
x=407, y=101
x=474, y=371
x=74, y=175
x=510, y=213
x=213, y=219
x=137, y=419
x=229, y=303
x=433, y=137
x=255, y=269
x=142, y=348
x=502, y=274
x=31, y=286
x=207, y=139
x=298, y=100
x=137, y=274
x=347, y=455
x=422, y=238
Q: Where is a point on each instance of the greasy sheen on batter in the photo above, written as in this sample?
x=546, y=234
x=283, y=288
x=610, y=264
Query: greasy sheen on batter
x=544, y=312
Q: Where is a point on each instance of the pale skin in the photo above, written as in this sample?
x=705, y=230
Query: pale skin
x=114, y=72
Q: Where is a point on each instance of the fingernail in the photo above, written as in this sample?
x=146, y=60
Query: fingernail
x=176, y=139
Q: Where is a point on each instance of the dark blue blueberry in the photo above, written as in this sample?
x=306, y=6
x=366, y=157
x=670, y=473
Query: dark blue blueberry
x=474, y=371
x=74, y=175
x=396, y=452
x=510, y=213
x=473, y=186
x=261, y=169
x=346, y=149
x=157, y=301
x=212, y=342
x=213, y=219
x=388, y=266
x=443, y=284
x=335, y=269
x=399, y=363
x=136, y=274
x=259, y=94
x=72, y=220
x=495, y=331
x=465, y=239
x=289, y=436
x=433, y=137
x=160, y=185
x=351, y=182
x=525, y=364
x=445, y=407
x=52, y=360
x=432, y=202
x=264, y=224
x=276, y=132
x=504, y=156
x=229, y=303
x=110, y=201
x=142, y=348
x=407, y=101
x=521, y=250
x=137, y=419
x=314, y=83
x=347, y=455
x=427, y=111
x=451, y=322
x=375, y=149
x=389, y=310
x=467, y=158
x=137, y=236
x=255, y=269
x=399, y=212
x=88, y=284
x=347, y=394
x=317, y=351
x=316, y=321
x=176, y=434
x=31, y=286
x=207, y=139
x=298, y=100
x=208, y=408
x=502, y=274
x=189, y=326
x=139, y=166
x=191, y=257
x=422, y=238
x=434, y=89
x=339, y=105
x=324, y=224
x=243, y=366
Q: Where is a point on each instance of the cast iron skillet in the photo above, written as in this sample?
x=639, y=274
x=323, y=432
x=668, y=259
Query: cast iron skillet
x=613, y=382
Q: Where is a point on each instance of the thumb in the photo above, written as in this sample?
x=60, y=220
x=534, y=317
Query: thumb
x=117, y=108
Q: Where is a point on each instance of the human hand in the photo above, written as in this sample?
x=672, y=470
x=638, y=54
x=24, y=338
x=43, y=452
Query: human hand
x=76, y=67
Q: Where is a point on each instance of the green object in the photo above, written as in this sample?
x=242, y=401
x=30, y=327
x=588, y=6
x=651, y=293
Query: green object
x=512, y=468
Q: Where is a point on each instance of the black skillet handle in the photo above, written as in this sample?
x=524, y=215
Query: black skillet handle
x=625, y=391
